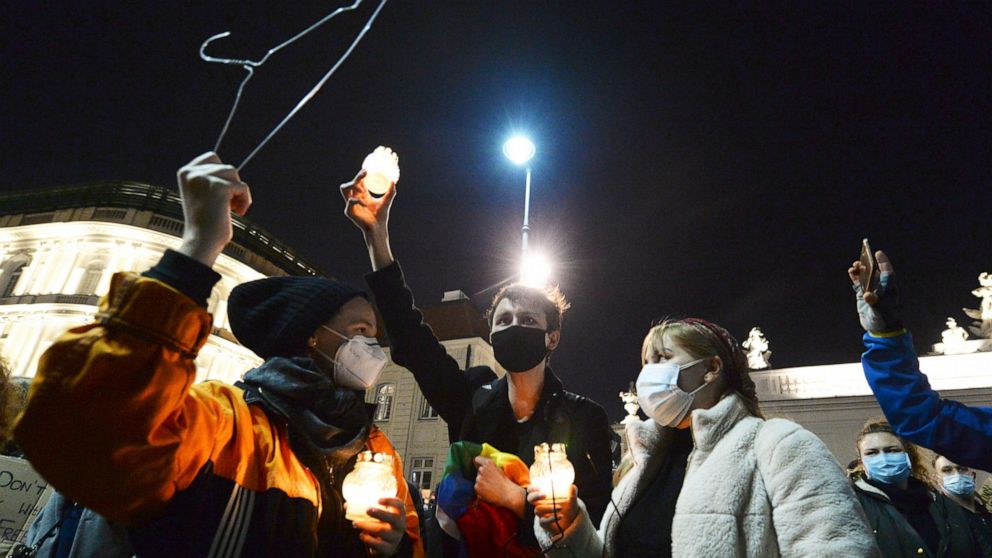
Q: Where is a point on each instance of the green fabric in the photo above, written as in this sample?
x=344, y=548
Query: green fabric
x=461, y=456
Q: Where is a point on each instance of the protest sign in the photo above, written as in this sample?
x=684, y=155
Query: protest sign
x=23, y=493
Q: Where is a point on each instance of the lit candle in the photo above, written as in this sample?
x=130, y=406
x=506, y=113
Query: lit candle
x=382, y=169
x=552, y=473
x=371, y=479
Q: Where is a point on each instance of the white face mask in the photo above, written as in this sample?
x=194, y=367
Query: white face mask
x=358, y=362
x=659, y=394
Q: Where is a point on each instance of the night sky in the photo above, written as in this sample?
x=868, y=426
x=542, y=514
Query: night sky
x=709, y=160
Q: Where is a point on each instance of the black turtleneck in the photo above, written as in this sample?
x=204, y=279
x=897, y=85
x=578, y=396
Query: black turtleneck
x=914, y=504
x=655, y=506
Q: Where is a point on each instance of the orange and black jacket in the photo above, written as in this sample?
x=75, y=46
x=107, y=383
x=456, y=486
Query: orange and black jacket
x=115, y=423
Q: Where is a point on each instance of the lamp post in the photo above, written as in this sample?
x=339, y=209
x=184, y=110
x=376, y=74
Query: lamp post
x=519, y=150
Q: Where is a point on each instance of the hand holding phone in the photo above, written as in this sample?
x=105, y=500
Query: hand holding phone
x=868, y=274
x=872, y=276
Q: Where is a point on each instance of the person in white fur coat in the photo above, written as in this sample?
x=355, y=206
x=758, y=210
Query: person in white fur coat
x=734, y=484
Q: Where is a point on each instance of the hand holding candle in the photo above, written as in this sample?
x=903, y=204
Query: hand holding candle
x=369, y=212
x=382, y=170
x=554, y=516
x=370, y=480
x=552, y=473
x=383, y=534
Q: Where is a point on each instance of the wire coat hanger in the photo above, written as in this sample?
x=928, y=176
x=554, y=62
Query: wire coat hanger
x=250, y=65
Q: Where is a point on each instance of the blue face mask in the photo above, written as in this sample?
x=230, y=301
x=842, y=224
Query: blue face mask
x=888, y=468
x=961, y=485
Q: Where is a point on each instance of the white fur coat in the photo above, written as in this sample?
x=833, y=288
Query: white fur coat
x=752, y=488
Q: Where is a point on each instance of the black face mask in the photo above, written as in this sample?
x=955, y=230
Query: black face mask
x=519, y=348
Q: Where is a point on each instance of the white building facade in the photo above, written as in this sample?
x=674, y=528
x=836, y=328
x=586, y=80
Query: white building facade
x=414, y=427
x=60, y=247
x=834, y=401
x=404, y=414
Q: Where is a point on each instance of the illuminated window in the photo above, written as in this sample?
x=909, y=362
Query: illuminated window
x=421, y=472
x=384, y=400
x=13, y=277
x=91, y=278
x=426, y=411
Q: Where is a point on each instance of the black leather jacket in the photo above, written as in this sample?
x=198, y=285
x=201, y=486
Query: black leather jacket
x=476, y=405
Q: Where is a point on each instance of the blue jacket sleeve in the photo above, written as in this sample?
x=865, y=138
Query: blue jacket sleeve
x=963, y=434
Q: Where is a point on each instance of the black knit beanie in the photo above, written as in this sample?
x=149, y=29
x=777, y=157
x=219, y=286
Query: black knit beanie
x=276, y=316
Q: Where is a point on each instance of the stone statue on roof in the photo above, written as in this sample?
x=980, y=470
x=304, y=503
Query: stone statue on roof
x=954, y=338
x=983, y=315
x=758, y=355
x=630, y=404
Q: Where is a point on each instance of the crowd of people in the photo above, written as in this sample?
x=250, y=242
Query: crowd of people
x=148, y=463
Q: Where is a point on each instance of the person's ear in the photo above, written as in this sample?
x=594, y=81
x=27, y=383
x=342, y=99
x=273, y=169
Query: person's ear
x=554, y=337
x=715, y=367
x=312, y=342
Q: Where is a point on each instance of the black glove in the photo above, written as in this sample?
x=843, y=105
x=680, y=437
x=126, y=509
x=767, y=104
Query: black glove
x=885, y=315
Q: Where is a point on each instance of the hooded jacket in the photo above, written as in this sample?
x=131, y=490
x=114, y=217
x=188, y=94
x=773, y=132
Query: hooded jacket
x=753, y=487
x=116, y=423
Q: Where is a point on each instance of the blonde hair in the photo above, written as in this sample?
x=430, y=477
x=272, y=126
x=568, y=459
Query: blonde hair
x=881, y=426
x=702, y=339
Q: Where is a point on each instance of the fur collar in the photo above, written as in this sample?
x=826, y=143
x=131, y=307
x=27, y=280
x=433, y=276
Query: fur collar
x=710, y=425
x=644, y=437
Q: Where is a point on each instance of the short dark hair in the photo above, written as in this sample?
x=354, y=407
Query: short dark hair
x=551, y=301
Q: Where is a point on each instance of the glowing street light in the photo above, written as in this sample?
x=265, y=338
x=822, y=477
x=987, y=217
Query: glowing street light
x=535, y=270
x=519, y=149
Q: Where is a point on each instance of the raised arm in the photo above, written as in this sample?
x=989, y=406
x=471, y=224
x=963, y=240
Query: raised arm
x=371, y=216
x=111, y=421
x=915, y=410
x=412, y=343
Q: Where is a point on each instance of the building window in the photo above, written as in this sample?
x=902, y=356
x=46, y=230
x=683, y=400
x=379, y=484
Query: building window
x=426, y=411
x=12, y=279
x=384, y=400
x=212, y=303
x=421, y=472
x=91, y=278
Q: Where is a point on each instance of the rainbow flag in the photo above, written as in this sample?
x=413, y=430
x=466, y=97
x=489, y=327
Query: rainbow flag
x=485, y=530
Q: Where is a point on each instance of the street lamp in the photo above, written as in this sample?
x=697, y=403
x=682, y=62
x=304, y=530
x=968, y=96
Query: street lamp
x=519, y=150
x=535, y=269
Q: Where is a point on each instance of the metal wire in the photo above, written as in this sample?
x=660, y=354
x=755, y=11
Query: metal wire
x=250, y=65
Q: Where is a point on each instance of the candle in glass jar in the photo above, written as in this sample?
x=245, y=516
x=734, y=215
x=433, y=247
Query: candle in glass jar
x=371, y=479
x=552, y=473
x=382, y=170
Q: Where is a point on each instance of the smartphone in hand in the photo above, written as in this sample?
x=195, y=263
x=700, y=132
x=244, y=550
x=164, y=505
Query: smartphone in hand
x=869, y=268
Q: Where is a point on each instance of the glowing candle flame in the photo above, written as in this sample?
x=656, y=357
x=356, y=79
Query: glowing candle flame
x=552, y=473
x=371, y=479
x=382, y=168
